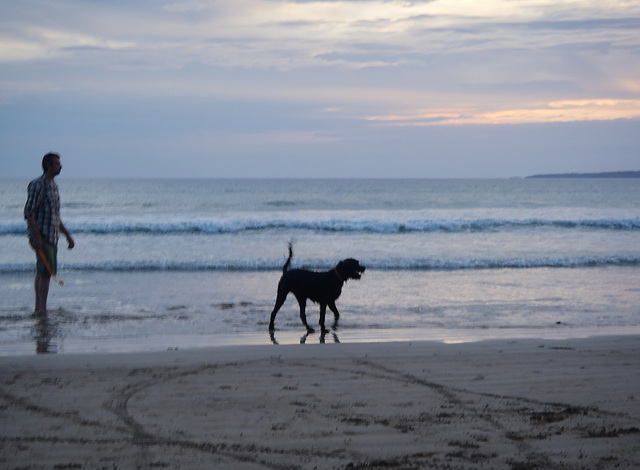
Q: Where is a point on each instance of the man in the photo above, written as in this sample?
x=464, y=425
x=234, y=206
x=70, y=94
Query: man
x=42, y=213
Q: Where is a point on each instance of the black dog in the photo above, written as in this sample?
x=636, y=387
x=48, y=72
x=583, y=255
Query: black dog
x=323, y=288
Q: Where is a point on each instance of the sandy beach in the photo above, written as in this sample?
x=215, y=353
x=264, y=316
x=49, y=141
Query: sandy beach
x=496, y=404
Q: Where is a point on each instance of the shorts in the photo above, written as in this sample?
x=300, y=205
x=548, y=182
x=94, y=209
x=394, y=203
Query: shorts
x=51, y=253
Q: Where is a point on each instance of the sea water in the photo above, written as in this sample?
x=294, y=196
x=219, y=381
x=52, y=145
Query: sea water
x=198, y=261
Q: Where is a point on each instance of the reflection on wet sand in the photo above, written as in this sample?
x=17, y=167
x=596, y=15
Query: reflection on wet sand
x=304, y=337
x=44, y=331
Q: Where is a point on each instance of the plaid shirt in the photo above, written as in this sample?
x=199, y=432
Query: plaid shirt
x=43, y=202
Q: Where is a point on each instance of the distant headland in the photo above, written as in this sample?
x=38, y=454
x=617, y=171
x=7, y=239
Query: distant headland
x=612, y=174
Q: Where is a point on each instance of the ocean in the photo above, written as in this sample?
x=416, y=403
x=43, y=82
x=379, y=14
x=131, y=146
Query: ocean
x=169, y=264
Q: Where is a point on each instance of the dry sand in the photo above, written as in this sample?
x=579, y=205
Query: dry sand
x=507, y=404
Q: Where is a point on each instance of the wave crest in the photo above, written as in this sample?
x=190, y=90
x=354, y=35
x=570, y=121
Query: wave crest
x=226, y=226
x=380, y=264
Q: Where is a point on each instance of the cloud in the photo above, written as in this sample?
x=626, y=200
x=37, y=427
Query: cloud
x=311, y=74
x=556, y=111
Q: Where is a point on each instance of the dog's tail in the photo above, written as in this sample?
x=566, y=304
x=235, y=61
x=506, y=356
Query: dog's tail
x=285, y=268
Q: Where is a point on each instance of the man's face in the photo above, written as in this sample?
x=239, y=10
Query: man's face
x=55, y=167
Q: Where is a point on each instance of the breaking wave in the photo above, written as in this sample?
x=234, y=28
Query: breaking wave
x=387, y=226
x=373, y=264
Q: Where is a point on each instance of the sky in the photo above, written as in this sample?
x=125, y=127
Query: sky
x=319, y=89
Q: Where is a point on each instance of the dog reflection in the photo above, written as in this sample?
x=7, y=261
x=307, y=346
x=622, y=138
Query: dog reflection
x=304, y=337
x=323, y=334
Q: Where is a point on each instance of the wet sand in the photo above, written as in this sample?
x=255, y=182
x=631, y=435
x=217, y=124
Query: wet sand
x=498, y=404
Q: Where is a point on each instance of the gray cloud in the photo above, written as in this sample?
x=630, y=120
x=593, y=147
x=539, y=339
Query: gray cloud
x=260, y=87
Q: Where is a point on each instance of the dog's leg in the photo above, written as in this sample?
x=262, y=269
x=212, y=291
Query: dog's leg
x=303, y=316
x=336, y=314
x=323, y=312
x=282, y=296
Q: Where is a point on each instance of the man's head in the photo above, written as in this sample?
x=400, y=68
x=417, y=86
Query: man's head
x=51, y=163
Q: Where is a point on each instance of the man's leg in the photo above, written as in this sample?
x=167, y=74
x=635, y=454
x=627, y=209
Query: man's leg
x=42, y=293
x=43, y=276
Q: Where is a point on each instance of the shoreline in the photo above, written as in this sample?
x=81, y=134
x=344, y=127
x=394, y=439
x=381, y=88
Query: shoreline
x=498, y=403
x=160, y=343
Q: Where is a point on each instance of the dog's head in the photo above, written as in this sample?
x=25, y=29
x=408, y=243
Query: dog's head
x=350, y=269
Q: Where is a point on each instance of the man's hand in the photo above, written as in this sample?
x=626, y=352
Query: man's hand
x=70, y=241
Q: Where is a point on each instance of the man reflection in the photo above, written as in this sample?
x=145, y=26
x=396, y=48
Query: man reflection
x=44, y=331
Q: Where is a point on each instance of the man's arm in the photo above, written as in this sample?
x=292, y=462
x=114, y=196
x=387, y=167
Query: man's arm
x=34, y=200
x=64, y=230
x=35, y=232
